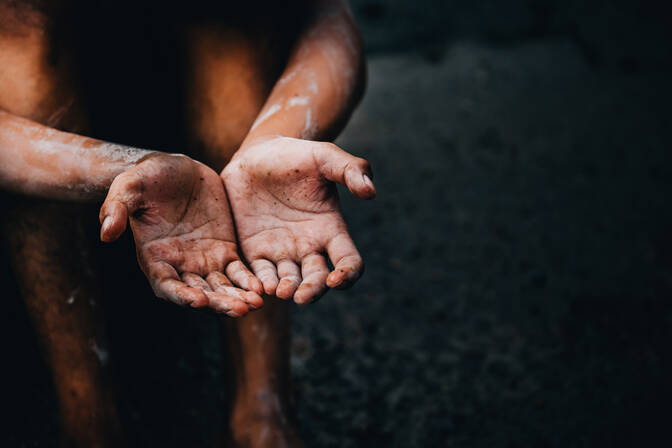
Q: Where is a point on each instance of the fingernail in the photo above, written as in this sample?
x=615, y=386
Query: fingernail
x=332, y=280
x=367, y=181
x=107, y=222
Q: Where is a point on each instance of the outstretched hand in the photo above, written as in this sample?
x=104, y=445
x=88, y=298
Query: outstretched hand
x=184, y=236
x=285, y=205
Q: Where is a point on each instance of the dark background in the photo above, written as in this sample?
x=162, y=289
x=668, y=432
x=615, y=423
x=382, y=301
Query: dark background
x=519, y=255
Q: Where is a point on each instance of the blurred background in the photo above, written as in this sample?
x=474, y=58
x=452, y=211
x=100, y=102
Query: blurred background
x=519, y=254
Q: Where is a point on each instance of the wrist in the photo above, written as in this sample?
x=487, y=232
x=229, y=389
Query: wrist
x=114, y=160
x=254, y=139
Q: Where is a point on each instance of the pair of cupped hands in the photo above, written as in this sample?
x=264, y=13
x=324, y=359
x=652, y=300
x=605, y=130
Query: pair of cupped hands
x=281, y=195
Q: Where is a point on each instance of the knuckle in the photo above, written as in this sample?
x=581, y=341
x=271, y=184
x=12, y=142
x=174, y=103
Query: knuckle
x=329, y=146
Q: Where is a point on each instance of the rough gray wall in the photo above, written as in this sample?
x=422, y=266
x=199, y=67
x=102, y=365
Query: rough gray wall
x=624, y=33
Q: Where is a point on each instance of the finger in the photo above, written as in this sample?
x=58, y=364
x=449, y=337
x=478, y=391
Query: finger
x=219, y=301
x=231, y=305
x=265, y=271
x=348, y=264
x=220, y=283
x=178, y=292
x=241, y=276
x=315, y=271
x=113, y=217
x=339, y=166
x=120, y=202
x=167, y=285
x=195, y=281
x=290, y=278
x=218, y=280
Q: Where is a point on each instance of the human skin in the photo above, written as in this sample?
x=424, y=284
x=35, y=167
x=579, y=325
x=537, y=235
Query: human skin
x=234, y=73
x=51, y=255
x=258, y=343
x=177, y=209
x=281, y=180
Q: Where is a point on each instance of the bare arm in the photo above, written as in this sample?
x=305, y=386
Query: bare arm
x=323, y=80
x=177, y=208
x=279, y=183
x=42, y=161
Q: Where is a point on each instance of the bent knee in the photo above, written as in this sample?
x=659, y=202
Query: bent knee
x=36, y=67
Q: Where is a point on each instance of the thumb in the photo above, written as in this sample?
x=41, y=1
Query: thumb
x=344, y=168
x=114, y=211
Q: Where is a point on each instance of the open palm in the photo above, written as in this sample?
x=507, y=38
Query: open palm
x=184, y=236
x=288, y=217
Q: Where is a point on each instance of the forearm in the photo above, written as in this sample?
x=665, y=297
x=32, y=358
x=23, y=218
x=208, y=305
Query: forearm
x=322, y=82
x=41, y=161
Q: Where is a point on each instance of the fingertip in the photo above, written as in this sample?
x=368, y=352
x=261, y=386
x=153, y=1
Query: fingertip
x=113, y=224
x=286, y=289
x=256, y=285
x=310, y=293
x=334, y=279
x=230, y=306
x=267, y=274
x=341, y=278
x=106, y=222
x=253, y=300
x=270, y=286
x=303, y=295
x=369, y=190
x=238, y=308
x=196, y=298
x=338, y=278
x=281, y=292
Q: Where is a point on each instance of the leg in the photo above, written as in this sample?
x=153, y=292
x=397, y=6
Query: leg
x=49, y=250
x=261, y=414
x=231, y=74
x=51, y=261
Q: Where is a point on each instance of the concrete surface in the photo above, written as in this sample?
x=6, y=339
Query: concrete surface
x=517, y=290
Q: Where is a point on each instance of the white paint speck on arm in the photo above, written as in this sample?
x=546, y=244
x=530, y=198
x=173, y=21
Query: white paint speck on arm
x=309, y=128
x=266, y=115
x=312, y=83
x=298, y=101
x=289, y=76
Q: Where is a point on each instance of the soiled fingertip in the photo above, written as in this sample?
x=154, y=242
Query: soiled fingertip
x=253, y=300
x=196, y=298
x=105, y=228
x=267, y=274
x=286, y=288
x=270, y=286
x=237, y=308
x=111, y=229
x=336, y=278
x=198, y=304
x=305, y=294
x=255, y=285
x=368, y=191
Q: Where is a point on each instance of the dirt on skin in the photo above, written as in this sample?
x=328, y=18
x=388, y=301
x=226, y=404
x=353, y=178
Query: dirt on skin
x=518, y=283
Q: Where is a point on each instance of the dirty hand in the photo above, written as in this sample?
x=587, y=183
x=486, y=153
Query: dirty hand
x=184, y=236
x=287, y=214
